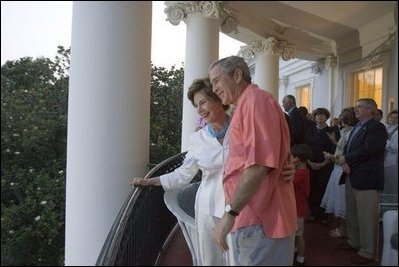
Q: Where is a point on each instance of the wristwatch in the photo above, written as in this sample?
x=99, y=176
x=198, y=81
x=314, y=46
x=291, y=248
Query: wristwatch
x=230, y=211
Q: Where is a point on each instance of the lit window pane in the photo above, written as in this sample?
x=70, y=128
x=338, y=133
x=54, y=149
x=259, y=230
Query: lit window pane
x=368, y=84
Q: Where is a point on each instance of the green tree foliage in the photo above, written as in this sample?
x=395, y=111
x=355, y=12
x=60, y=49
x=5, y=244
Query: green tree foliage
x=166, y=112
x=34, y=94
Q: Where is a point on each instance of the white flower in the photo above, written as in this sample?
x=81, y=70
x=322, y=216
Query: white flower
x=61, y=171
x=16, y=135
x=37, y=218
x=7, y=150
x=31, y=170
x=44, y=202
x=38, y=188
x=11, y=232
x=12, y=184
x=17, y=152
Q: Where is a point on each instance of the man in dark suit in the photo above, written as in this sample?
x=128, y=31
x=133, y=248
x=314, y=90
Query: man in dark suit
x=363, y=161
x=297, y=121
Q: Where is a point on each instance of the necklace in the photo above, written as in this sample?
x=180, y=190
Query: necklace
x=220, y=134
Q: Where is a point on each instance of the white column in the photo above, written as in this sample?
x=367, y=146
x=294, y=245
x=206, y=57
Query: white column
x=266, y=54
x=331, y=67
x=266, y=72
x=202, y=47
x=108, y=119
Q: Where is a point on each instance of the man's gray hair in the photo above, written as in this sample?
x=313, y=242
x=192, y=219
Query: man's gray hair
x=370, y=103
x=291, y=98
x=229, y=64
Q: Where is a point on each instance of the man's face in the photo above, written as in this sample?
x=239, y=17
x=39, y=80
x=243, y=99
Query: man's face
x=286, y=104
x=362, y=111
x=223, y=85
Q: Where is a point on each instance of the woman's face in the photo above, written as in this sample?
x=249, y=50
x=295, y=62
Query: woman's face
x=210, y=110
x=321, y=118
x=393, y=118
x=334, y=122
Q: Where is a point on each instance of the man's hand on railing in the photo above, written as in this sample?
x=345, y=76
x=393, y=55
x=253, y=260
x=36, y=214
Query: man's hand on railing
x=145, y=182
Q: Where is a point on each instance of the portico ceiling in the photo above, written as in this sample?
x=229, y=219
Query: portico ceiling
x=316, y=28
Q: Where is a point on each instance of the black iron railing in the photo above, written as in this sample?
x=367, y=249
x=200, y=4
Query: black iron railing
x=142, y=225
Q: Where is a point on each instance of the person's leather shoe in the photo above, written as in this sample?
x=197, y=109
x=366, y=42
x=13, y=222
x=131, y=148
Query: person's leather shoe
x=336, y=233
x=297, y=263
x=346, y=247
x=359, y=260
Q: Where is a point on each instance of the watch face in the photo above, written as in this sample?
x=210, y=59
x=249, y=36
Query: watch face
x=227, y=208
x=230, y=211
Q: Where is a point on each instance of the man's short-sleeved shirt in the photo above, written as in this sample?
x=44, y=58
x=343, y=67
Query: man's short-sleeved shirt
x=259, y=135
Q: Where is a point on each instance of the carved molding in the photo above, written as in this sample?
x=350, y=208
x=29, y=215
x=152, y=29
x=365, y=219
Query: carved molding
x=331, y=62
x=287, y=50
x=316, y=69
x=177, y=11
x=318, y=66
x=270, y=46
x=229, y=21
x=377, y=53
x=328, y=62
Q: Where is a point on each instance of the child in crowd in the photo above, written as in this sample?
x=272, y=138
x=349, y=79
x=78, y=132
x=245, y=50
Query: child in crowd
x=301, y=154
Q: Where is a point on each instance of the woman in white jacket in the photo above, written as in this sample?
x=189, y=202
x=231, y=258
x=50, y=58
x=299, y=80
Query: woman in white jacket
x=207, y=152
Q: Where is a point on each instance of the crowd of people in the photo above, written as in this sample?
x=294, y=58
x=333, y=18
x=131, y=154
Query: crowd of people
x=266, y=172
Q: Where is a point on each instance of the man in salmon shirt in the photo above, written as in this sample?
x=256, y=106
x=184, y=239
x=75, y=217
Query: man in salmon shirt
x=260, y=214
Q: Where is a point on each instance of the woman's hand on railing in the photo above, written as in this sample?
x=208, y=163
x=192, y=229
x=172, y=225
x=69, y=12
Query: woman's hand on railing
x=145, y=182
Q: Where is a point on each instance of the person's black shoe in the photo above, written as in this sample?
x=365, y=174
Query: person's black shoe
x=359, y=260
x=311, y=219
x=297, y=263
x=346, y=247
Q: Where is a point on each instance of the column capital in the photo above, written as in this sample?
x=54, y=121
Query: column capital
x=331, y=61
x=328, y=62
x=315, y=68
x=177, y=11
x=270, y=46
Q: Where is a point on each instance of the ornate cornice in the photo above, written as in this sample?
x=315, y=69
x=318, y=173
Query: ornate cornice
x=318, y=66
x=228, y=20
x=376, y=55
x=331, y=62
x=177, y=11
x=270, y=46
x=328, y=62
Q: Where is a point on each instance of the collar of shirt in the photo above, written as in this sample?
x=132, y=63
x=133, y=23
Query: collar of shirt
x=290, y=110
